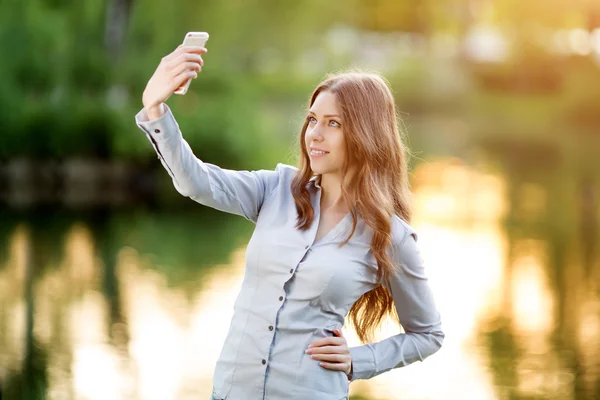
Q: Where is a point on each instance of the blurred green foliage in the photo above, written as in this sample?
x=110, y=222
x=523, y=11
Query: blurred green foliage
x=68, y=95
x=76, y=70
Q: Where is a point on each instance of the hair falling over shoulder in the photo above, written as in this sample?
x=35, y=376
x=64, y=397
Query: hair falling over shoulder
x=375, y=178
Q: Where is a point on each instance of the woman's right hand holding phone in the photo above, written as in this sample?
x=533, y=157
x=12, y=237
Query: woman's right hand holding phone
x=173, y=71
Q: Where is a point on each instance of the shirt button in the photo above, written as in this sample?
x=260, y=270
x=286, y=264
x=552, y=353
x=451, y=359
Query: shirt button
x=280, y=298
x=264, y=361
x=306, y=247
x=271, y=327
x=157, y=131
x=292, y=271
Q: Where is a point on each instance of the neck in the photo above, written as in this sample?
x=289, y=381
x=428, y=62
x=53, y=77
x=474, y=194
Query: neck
x=331, y=193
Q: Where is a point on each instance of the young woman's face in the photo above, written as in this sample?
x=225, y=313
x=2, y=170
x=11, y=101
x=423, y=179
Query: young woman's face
x=325, y=131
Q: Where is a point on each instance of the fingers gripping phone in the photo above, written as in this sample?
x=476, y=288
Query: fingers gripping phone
x=192, y=39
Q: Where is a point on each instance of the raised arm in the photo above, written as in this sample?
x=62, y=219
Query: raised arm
x=418, y=315
x=236, y=192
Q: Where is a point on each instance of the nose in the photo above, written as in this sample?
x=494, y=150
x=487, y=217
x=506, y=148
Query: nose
x=315, y=132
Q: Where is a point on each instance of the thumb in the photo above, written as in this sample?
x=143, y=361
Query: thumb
x=338, y=332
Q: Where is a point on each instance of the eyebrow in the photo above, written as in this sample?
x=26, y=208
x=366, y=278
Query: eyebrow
x=326, y=115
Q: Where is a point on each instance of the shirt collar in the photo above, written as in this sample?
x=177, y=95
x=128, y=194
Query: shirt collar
x=316, y=181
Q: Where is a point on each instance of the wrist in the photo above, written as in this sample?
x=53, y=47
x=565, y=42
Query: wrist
x=155, y=110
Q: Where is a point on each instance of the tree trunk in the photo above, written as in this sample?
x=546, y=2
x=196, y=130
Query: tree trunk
x=117, y=18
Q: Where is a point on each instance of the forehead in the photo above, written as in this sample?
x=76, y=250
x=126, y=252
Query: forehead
x=325, y=103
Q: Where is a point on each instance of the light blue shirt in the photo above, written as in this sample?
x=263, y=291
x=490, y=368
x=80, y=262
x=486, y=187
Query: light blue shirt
x=295, y=289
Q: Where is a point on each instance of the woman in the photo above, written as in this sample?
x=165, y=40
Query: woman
x=331, y=239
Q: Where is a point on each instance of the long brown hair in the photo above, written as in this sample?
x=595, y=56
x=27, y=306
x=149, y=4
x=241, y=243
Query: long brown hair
x=374, y=178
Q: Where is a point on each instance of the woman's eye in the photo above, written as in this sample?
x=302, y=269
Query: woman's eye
x=312, y=120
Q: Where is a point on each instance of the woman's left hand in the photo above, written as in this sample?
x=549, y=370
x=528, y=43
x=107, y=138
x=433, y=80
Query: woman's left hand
x=333, y=352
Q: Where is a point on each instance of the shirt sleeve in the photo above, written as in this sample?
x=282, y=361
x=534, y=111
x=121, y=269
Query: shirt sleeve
x=417, y=312
x=235, y=192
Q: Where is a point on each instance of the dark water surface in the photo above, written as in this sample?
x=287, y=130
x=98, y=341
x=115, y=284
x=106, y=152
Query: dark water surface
x=135, y=304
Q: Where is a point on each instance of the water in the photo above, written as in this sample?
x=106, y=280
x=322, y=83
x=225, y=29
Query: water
x=135, y=304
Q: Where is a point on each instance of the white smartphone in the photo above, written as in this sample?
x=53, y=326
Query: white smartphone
x=192, y=39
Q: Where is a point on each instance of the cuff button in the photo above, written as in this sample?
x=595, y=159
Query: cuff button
x=157, y=131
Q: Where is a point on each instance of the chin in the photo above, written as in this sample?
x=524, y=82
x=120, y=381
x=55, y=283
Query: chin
x=317, y=169
x=320, y=170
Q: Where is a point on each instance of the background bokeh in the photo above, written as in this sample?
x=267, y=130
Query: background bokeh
x=113, y=286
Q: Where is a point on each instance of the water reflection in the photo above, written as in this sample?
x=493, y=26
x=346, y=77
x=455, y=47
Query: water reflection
x=136, y=306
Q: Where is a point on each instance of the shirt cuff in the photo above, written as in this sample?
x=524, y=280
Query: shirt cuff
x=363, y=362
x=160, y=128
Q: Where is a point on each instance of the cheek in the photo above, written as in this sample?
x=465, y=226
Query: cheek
x=307, y=133
x=341, y=157
x=341, y=148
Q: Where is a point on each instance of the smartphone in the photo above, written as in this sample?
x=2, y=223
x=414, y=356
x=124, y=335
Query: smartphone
x=192, y=39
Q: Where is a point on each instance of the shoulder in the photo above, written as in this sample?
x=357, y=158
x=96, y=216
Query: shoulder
x=404, y=240
x=275, y=178
x=286, y=174
x=288, y=170
x=401, y=231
